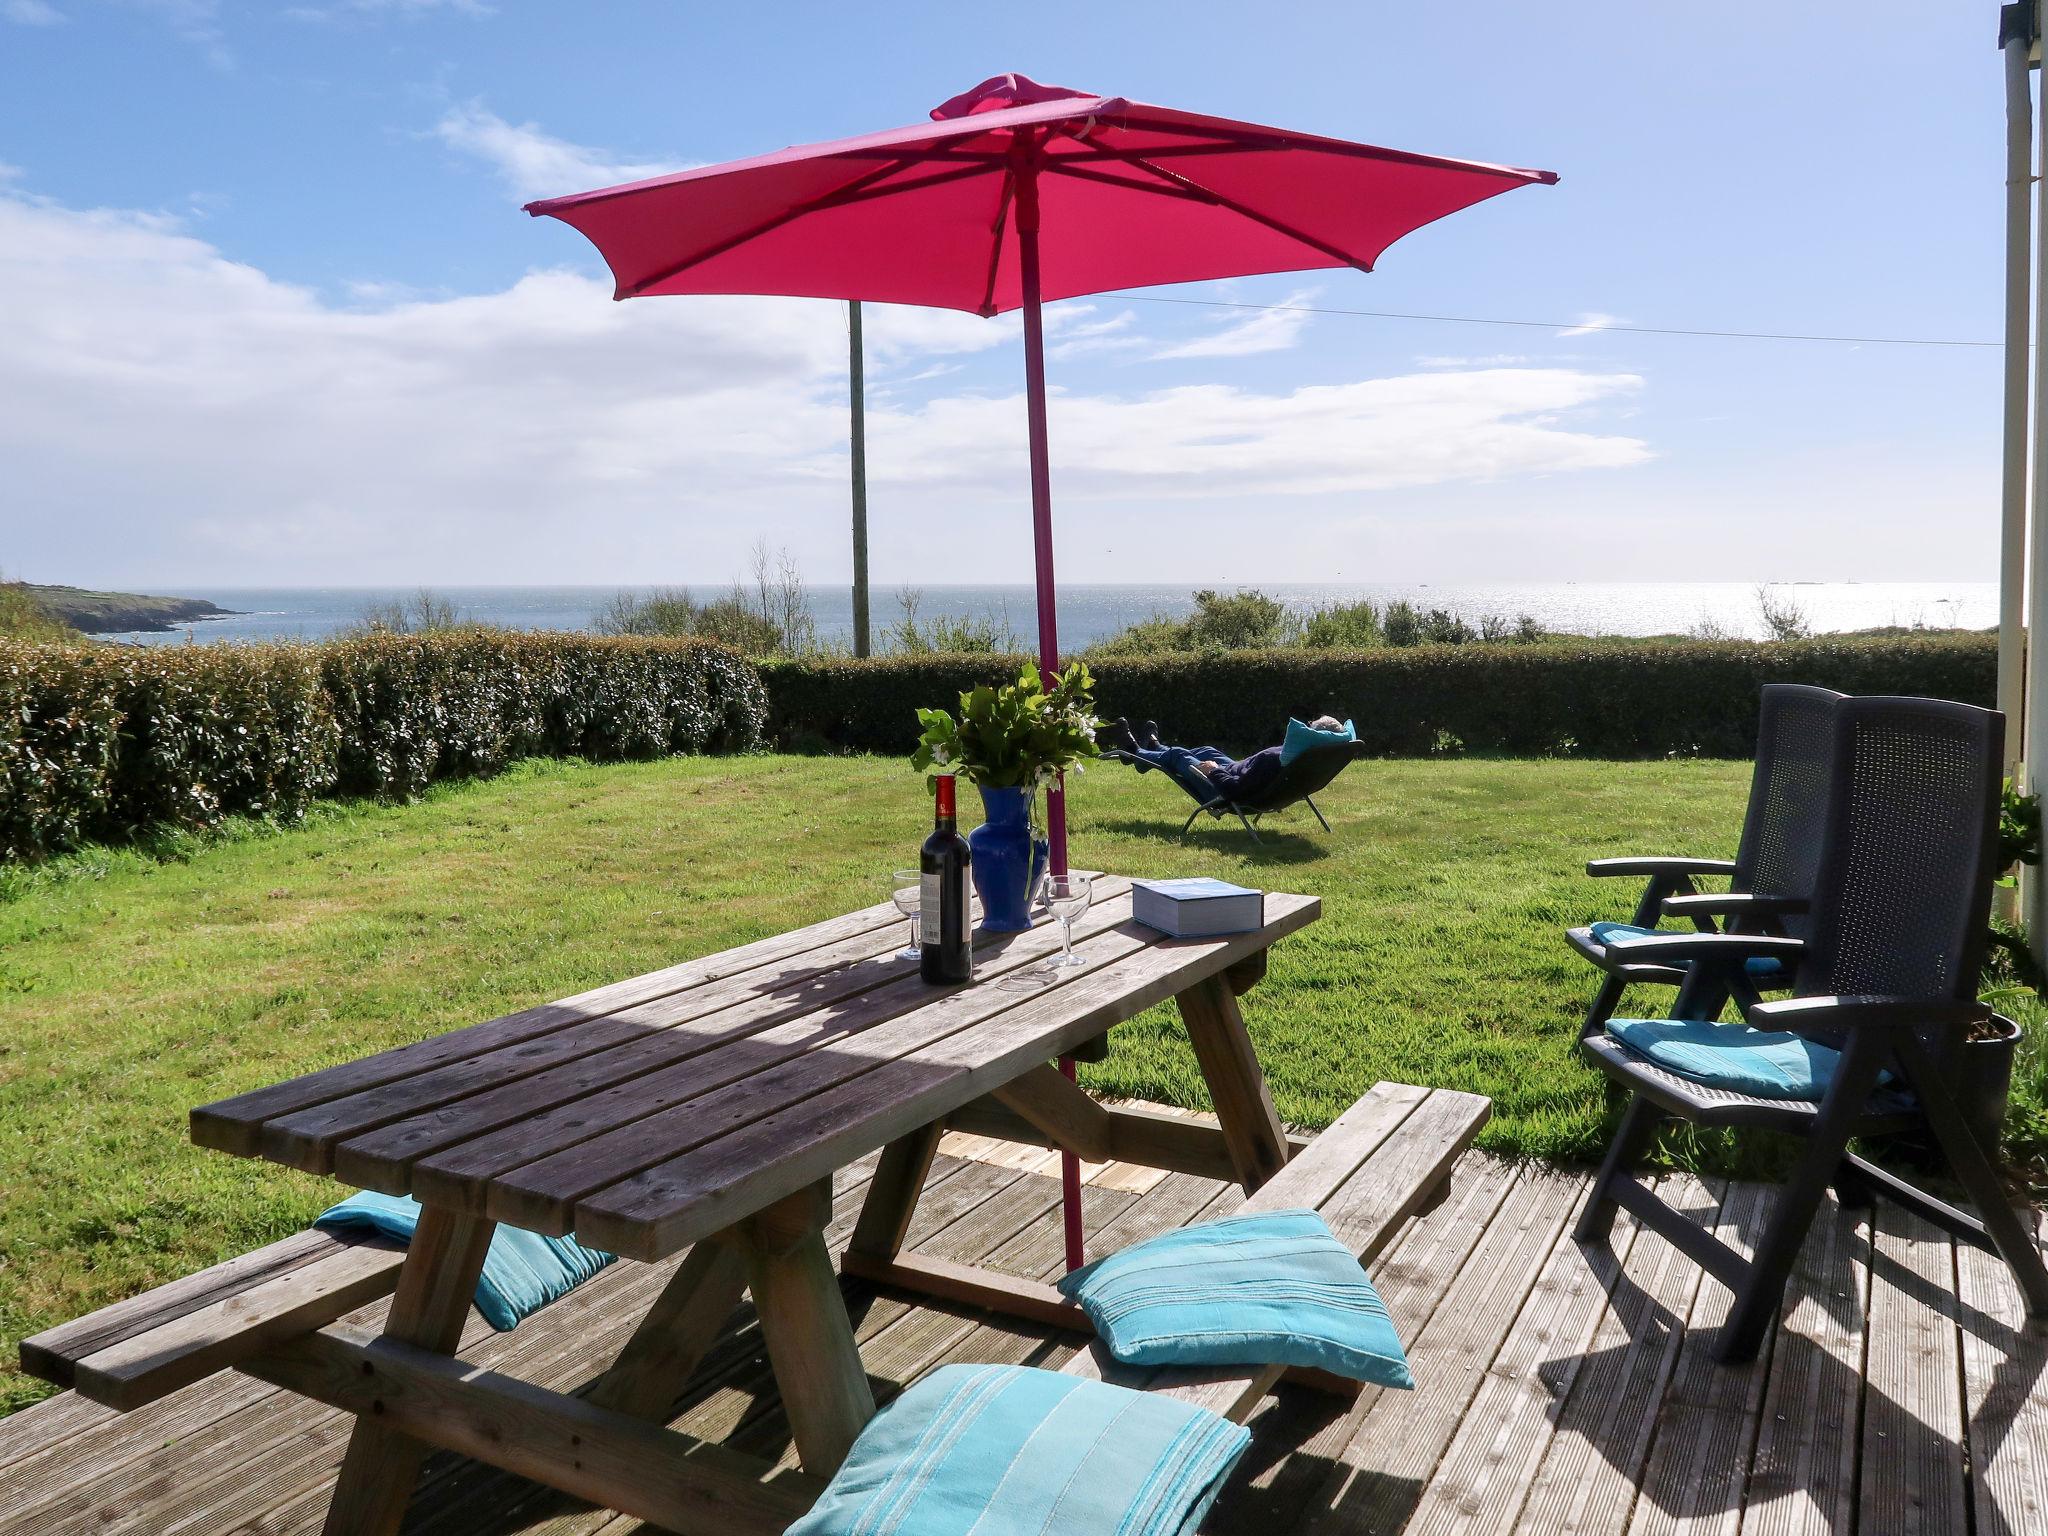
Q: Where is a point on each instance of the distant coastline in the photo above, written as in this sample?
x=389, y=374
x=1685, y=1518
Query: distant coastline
x=121, y=613
x=1093, y=611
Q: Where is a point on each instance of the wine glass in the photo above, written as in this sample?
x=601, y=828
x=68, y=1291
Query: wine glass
x=907, y=891
x=1067, y=896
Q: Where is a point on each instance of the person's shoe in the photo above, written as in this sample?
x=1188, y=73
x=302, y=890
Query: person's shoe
x=1117, y=736
x=1148, y=736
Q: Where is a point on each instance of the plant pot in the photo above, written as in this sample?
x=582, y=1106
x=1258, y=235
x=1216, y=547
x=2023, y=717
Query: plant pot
x=1008, y=860
x=1979, y=1074
x=1983, y=1082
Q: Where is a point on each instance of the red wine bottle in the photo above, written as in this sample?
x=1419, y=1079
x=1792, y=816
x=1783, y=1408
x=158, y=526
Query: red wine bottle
x=943, y=935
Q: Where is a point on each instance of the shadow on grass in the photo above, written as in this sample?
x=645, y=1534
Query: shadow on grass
x=1272, y=847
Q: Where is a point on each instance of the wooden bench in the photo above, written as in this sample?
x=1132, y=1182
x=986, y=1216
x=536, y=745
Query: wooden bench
x=150, y=1345
x=1384, y=1159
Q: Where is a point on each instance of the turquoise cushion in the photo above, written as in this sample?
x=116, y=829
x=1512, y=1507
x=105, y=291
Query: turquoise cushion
x=1003, y=1450
x=1306, y=738
x=1272, y=1289
x=523, y=1271
x=1768, y=1065
x=1758, y=966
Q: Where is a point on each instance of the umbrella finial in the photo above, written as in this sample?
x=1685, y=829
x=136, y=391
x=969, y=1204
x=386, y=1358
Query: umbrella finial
x=1000, y=91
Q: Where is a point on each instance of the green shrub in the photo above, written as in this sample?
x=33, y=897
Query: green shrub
x=106, y=743
x=1344, y=626
x=1649, y=699
x=1246, y=619
x=24, y=618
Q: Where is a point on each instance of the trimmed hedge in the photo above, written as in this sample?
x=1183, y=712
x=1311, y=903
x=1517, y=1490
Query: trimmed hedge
x=105, y=743
x=1599, y=699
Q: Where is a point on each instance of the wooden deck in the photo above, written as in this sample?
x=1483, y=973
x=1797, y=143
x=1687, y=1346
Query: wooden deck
x=1558, y=1391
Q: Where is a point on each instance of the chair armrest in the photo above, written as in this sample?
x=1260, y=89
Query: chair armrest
x=1715, y=949
x=1660, y=866
x=1867, y=1011
x=1733, y=904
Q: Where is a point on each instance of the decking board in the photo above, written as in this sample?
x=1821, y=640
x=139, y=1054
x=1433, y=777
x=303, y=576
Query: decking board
x=1557, y=1393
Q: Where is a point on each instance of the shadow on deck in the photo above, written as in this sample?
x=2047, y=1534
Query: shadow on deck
x=1558, y=1389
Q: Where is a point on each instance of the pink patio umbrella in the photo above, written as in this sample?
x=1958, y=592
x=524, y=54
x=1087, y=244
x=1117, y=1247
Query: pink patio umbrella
x=1017, y=193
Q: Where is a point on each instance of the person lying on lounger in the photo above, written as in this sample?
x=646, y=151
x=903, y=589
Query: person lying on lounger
x=1234, y=778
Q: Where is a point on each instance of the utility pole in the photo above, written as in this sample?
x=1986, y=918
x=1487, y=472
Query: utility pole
x=857, y=390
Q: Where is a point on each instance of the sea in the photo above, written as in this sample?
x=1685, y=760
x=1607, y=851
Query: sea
x=1088, y=613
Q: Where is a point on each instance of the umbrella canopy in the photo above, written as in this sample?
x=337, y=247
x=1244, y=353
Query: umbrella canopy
x=1121, y=195
x=1016, y=193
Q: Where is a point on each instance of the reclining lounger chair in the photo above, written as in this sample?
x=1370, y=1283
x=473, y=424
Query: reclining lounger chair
x=1298, y=781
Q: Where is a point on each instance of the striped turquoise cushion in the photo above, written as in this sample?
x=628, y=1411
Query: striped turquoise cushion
x=1272, y=1289
x=523, y=1271
x=1003, y=1450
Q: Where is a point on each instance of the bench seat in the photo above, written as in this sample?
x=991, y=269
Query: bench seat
x=150, y=1345
x=1383, y=1160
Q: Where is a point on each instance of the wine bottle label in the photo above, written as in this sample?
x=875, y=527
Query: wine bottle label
x=928, y=909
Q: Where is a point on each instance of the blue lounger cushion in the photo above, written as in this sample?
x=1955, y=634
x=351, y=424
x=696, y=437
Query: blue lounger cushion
x=523, y=1271
x=1765, y=1064
x=1306, y=738
x=1005, y=1450
x=1758, y=966
x=1276, y=1288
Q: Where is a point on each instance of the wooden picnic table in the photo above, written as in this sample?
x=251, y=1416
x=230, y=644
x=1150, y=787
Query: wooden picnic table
x=706, y=1106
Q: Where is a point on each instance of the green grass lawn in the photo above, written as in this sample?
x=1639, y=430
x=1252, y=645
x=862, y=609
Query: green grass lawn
x=131, y=990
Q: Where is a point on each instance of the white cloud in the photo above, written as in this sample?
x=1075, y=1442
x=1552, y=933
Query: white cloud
x=533, y=163
x=170, y=415
x=1112, y=333
x=31, y=13
x=1483, y=360
x=1590, y=322
x=1267, y=330
x=1212, y=440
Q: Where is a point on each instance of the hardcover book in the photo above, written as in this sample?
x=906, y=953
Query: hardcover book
x=1197, y=909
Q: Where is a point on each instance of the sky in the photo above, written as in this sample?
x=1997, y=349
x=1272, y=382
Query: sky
x=270, y=313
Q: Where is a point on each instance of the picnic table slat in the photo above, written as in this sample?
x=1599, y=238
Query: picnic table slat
x=540, y=1191
x=235, y=1124
x=692, y=1021
x=655, y=1211
x=450, y=1154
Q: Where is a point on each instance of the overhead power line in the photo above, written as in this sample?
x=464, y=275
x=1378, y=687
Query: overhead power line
x=1583, y=326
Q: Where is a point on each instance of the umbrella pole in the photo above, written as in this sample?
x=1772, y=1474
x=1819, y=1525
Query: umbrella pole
x=1041, y=486
x=1048, y=619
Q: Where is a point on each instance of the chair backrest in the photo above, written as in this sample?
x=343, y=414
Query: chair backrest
x=1311, y=771
x=1903, y=894
x=1785, y=824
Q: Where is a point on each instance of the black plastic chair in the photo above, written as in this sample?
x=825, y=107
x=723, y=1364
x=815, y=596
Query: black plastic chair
x=1314, y=769
x=1887, y=974
x=1769, y=879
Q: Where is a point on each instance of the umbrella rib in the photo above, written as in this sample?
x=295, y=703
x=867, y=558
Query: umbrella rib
x=1081, y=173
x=995, y=255
x=1242, y=210
x=1250, y=137
x=766, y=226
x=868, y=194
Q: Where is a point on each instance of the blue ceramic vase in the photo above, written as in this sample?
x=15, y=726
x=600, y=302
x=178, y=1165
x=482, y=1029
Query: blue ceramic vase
x=1008, y=860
